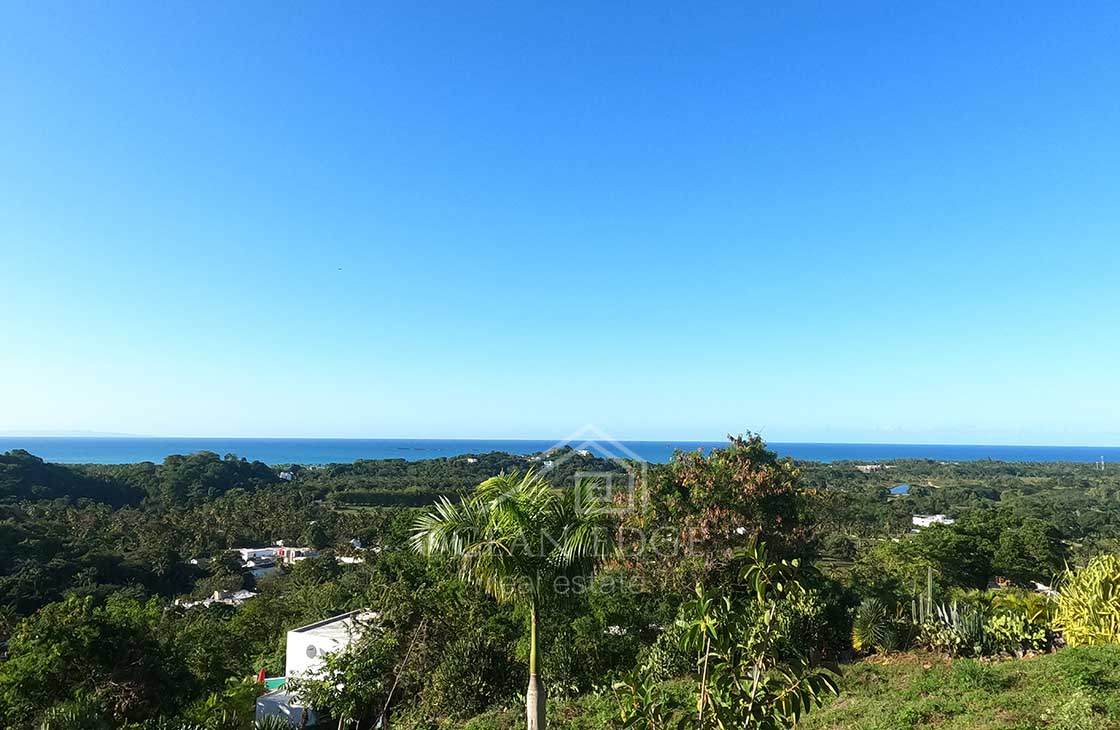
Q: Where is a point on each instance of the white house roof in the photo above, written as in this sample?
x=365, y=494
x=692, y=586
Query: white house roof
x=340, y=628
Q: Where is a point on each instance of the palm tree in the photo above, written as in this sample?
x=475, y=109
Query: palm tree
x=517, y=537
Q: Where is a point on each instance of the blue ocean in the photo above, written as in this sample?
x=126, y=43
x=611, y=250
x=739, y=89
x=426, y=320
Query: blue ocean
x=120, y=450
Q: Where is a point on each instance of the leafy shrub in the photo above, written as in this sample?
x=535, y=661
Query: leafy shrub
x=838, y=547
x=1088, y=610
x=803, y=623
x=818, y=619
x=665, y=658
x=79, y=715
x=565, y=667
x=1014, y=633
x=174, y=723
x=743, y=679
x=230, y=709
x=475, y=672
x=1036, y=607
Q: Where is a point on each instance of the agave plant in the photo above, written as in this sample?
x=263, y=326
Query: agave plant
x=958, y=630
x=1088, y=610
x=872, y=627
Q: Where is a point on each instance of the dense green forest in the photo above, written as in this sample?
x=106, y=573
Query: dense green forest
x=715, y=568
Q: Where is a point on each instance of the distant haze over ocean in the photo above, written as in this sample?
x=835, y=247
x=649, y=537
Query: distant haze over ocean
x=120, y=450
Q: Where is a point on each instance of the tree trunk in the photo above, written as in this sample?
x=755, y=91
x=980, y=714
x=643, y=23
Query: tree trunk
x=535, y=694
x=704, y=682
x=535, y=704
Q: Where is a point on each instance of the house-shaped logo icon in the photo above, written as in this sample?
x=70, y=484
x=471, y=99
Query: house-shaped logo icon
x=617, y=486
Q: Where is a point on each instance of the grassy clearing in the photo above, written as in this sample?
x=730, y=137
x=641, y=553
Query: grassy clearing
x=1073, y=689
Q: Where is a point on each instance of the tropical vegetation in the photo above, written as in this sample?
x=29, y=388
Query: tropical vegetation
x=724, y=589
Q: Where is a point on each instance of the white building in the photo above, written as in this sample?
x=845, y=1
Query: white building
x=308, y=645
x=306, y=648
x=229, y=598
x=927, y=520
x=248, y=554
x=868, y=468
x=279, y=552
x=295, y=554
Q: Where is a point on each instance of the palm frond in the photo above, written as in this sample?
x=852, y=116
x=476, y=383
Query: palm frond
x=588, y=534
x=448, y=528
x=515, y=531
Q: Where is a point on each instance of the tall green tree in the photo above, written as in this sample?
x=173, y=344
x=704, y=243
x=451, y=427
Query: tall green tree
x=692, y=514
x=1031, y=551
x=117, y=655
x=522, y=541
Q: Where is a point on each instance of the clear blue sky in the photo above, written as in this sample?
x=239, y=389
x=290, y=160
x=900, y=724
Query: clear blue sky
x=823, y=221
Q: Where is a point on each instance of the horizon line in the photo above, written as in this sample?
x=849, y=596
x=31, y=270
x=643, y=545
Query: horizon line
x=669, y=441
